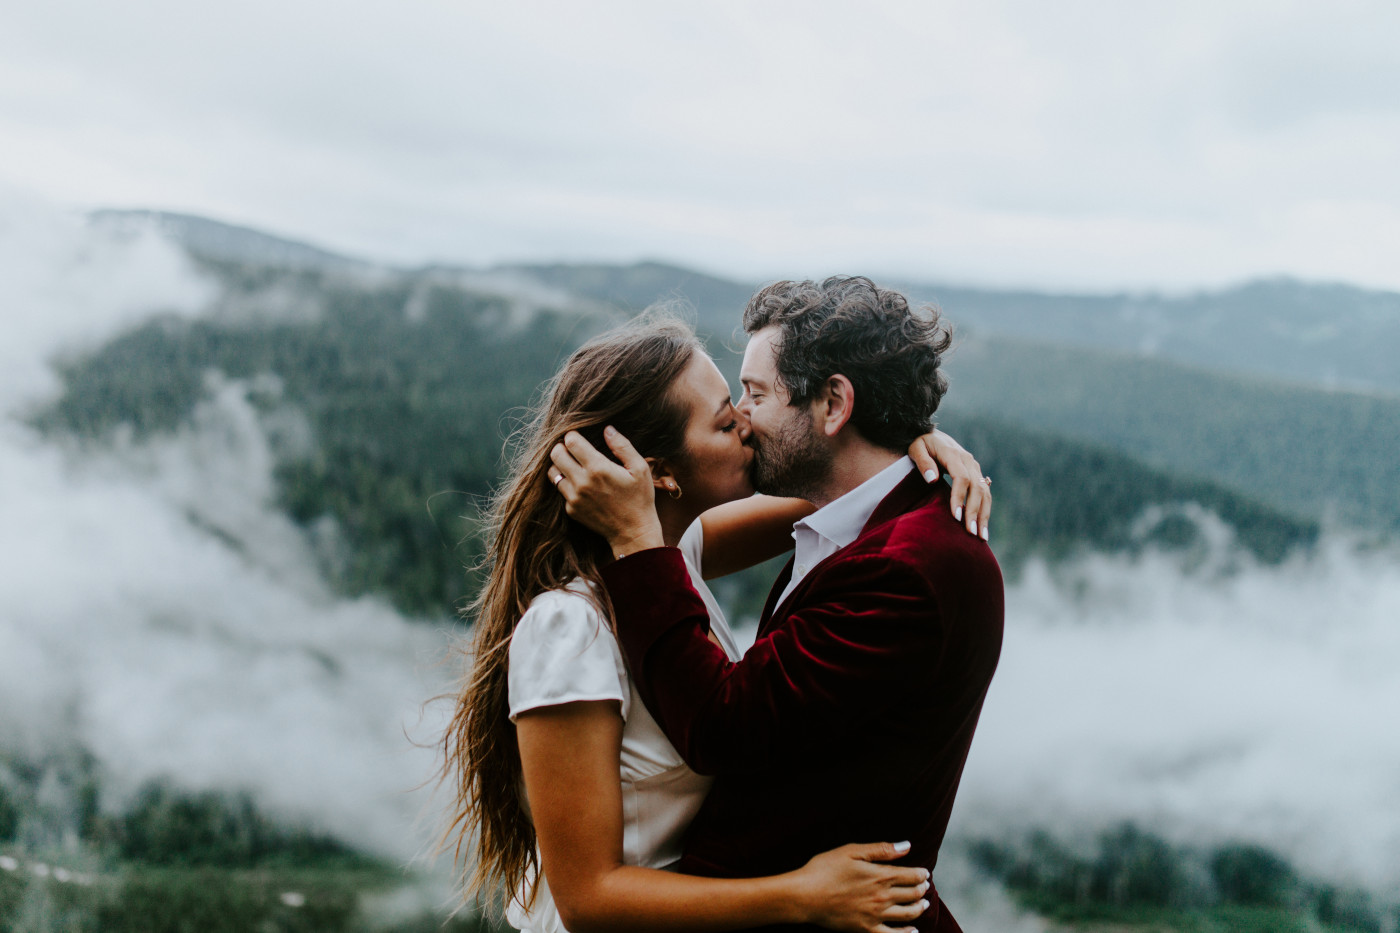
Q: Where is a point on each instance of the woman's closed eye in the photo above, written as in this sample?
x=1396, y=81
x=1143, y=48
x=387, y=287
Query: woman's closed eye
x=730, y=427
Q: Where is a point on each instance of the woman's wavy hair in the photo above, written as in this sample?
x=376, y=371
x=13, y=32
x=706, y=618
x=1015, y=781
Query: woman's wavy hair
x=850, y=326
x=622, y=378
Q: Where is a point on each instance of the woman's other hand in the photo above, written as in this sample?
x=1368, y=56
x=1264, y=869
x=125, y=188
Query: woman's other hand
x=618, y=502
x=850, y=889
x=972, y=492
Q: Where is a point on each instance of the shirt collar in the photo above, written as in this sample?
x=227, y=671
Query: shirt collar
x=841, y=520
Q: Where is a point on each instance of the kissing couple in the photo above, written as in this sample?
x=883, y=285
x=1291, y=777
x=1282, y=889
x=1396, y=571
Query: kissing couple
x=617, y=763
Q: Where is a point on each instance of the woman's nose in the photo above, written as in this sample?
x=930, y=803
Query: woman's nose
x=745, y=426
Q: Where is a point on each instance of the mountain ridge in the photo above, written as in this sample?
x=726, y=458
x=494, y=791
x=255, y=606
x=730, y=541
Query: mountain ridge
x=1326, y=334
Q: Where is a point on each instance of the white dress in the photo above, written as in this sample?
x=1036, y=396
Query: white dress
x=563, y=652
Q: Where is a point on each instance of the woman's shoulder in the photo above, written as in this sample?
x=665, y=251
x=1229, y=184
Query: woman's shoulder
x=569, y=615
x=578, y=597
x=563, y=651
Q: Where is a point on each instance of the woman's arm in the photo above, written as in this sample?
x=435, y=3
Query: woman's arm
x=569, y=755
x=749, y=531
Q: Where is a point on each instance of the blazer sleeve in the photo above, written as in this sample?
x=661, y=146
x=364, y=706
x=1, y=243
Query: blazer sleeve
x=866, y=636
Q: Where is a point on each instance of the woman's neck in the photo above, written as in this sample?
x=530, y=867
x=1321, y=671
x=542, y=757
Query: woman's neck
x=675, y=518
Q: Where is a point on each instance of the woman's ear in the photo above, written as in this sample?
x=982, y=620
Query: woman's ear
x=661, y=476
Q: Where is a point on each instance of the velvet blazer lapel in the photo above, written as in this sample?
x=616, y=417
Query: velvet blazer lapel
x=911, y=493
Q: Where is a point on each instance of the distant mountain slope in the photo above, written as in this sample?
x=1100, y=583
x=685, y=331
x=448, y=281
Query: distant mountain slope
x=212, y=239
x=1330, y=335
x=718, y=302
x=1335, y=336
x=408, y=389
x=1306, y=451
x=406, y=393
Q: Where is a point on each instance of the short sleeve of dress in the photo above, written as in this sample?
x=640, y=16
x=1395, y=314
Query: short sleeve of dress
x=563, y=652
x=692, y=544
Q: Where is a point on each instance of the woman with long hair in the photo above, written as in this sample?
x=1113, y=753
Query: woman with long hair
x=547, y=720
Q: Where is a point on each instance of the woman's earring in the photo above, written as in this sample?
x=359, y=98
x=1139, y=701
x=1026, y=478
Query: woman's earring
x=674, y=490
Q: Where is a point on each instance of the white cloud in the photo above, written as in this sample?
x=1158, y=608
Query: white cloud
x=1254, y=707
x=157, y=610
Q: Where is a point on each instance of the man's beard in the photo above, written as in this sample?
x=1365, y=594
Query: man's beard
x=792, y=461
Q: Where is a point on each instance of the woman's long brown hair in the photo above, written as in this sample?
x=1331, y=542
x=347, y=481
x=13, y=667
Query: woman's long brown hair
x=622, y=378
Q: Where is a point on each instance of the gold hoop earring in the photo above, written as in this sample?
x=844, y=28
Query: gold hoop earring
x=674, y=491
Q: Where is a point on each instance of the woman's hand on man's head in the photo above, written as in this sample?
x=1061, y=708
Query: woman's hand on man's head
x=617, y=501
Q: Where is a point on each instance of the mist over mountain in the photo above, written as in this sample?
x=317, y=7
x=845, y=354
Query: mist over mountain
x=242, y=484
x=396, y=382
x=213, y=239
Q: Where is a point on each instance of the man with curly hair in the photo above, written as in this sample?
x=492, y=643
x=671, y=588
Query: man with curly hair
x=851, y=716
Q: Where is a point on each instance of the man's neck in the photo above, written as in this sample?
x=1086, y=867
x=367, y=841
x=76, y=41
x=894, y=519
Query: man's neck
x=853, y=466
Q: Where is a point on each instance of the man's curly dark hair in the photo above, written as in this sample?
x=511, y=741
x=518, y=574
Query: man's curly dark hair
x=849, y=326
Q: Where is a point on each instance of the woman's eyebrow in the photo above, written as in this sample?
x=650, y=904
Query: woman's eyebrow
x=723, y=405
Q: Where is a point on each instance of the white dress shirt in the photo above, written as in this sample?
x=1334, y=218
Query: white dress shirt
x=839, y=522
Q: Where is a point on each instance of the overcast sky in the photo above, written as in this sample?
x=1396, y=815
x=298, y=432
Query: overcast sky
x=1070, y=144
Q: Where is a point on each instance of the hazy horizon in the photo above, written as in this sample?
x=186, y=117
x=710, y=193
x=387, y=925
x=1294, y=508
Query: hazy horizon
x=689, y=265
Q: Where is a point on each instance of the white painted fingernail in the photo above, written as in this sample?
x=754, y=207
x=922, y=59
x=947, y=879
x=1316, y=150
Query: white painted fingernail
x=930, y=476
x=958, y=514
x=902, y=847
x=974, y=526
x=984, y=532
x=923, y=905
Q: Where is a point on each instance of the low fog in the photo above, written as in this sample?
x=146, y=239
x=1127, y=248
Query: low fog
x=1231, y=702
x=157, y=611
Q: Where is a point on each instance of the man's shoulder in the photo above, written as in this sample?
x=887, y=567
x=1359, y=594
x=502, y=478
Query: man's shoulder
x=923, y=536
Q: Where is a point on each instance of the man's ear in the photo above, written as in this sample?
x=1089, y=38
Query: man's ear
x=835, y=405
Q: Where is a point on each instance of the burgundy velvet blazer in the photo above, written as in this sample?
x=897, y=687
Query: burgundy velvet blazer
x=850, y=718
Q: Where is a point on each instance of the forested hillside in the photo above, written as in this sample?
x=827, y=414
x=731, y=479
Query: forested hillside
x=1308, y=452
x=409, y=384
